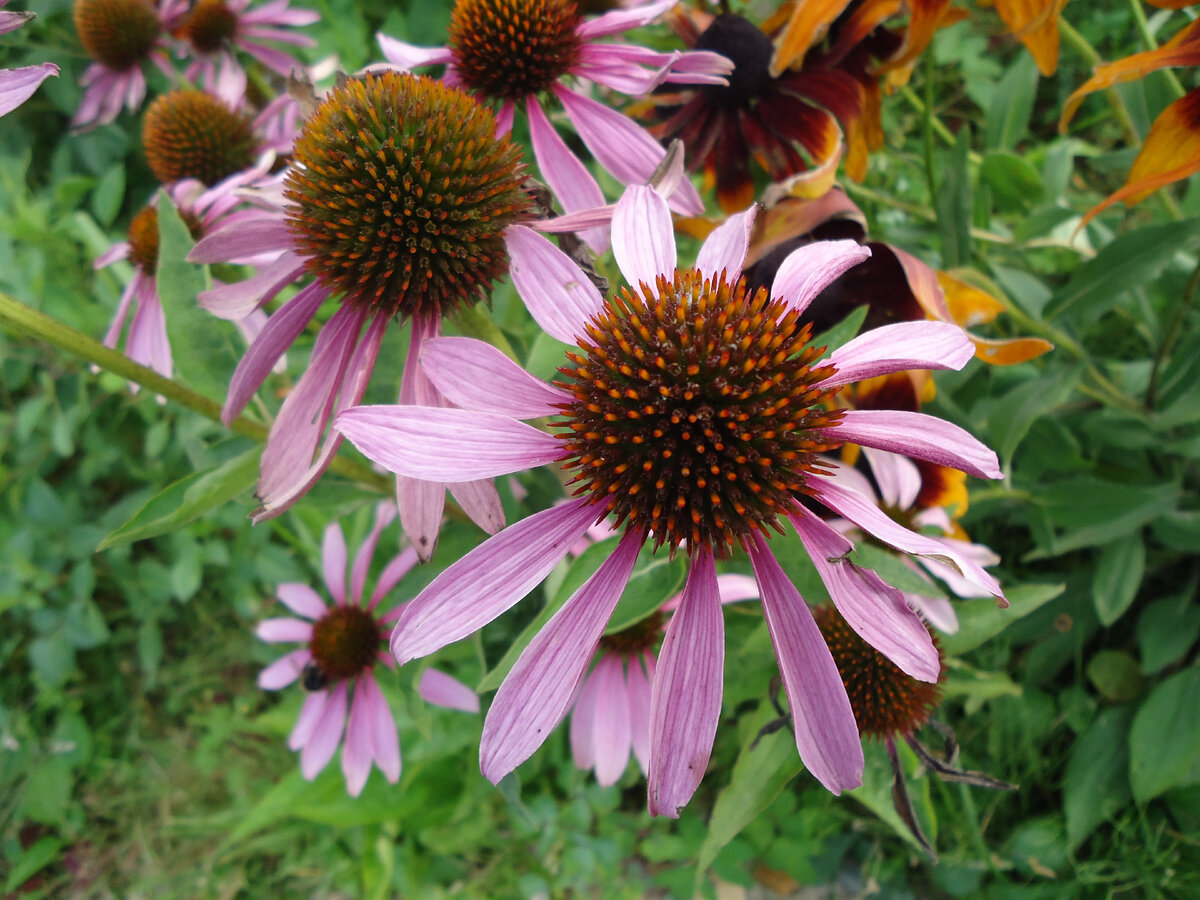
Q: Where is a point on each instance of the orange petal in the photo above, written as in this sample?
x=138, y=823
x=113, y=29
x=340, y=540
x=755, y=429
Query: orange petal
x=923, y=282
x=1171, y=153
x=1181, y=50
x=1035, y=24
x=1010, y=351
x=968, y=304
x=809, y=22
x=810, y=185
x=927, y=17
x=1170, y=4
x=865, y=19
x=941, y=486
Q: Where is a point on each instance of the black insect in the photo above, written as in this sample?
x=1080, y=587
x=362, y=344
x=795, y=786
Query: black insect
x=313, y=678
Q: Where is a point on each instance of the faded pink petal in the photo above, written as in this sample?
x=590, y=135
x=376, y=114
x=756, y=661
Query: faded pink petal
x=536, y=693
x=618, y=20
x=326, y=734
x=18, y=85
x=567, y=177
x=279, y=631
x=421, y=504
x=357, y=752
x=284, y=670
x=725, y=249
x=582, y=729
x=919, y=435
x=268, y=233
x=612, y=737
x=306, y=722
x=480, y=501
x=475, y=375
x=898, y=477
x=810, y=269
x=559, y=296
x=385, y=740
x=333, y=561
x=410, y=56
x=899, y=348
x=398, y=566
x=302, y=600
x=385, y=513
x=444, y=690
x=639, y=707
x=685, y=700
x=643, y=237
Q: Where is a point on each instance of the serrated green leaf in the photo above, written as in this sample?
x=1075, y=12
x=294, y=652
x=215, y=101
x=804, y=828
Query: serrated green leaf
x=1164, y=742
x=188, y=499
x=1117, y=577
x=203, y=347
x=981, y=619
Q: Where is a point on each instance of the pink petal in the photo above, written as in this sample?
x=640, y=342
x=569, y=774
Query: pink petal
x=639, y=707
x=899, y=348
x=306, y=722
x=725, y=249
x=279, y=631
x=504, y=118
x=937, y=611
x=536, y=693
x=559, y=296
x=284, y=670
x=898, y=477
x=583, y=721
x=421, y=504
x=384, y=738
x=302, y=600
x=240, y=298
x=475, y=375
x=18, y=85
x=385, y=514
x=874, y=609
x=398, y=566
x=444, y=690
x=866, y=515
x=919, y=435
x=567, y=177
x=268, y=233
x=685, y=700
x=277, y=335
x=481, y=502
x=619, y=20
x=326, y=734
x=409, y=56
x=489, y=579
x=333, y=561
x=810, y=269
x=643, y=237
x=446, y=444
x=826, y=733
x=613, y=737
x=356, y=755
x=734, y=588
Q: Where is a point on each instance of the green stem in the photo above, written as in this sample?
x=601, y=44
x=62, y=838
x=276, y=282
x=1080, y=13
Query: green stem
x=921, y=106
x=24, y=322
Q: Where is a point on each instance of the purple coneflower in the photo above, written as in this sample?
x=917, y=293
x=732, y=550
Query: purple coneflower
x=120, y=35
x=396, y=204
x=201, y=210
x=513, y=52
x=214, y=29
x=343, y=643
x=692, y=414
x=17, y=85
x=611, y=713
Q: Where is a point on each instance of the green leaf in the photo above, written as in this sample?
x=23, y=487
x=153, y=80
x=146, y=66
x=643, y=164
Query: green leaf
x=202, y=346
x=1117, y=577
x=1164, y=743
x=1014, y=182
x=834, y=337
x=1096, y=784
x=1116, y=675
x=108, y=195
x=876, y=792
x=655, y=579
x=1087, y=511
x=1010, y=417
x=762, y=770
x=891, y=567
x=1012, y=104
x=953, y=204
x=188, y=499
x=1167, y=629
x=32, y=861
x=981, y=619
x=1129, y=261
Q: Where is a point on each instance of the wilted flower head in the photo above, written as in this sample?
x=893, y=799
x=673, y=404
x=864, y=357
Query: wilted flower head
x=692, y=414
x=336, y=665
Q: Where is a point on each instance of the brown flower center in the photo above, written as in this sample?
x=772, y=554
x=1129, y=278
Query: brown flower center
x=748, y=49
x=191, y=134
x=637, y=638
x=143, y=237
x=696, y=414
x=345, y=642
x=118, y=33
x=508, y=49
x=210, y=26
x=401, y=193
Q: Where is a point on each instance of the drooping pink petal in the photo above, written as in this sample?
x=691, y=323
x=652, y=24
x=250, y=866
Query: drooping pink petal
x=920, y=435
x=559, y=296
x=639, y=707
x=385, y=513
x=725, y=249
x=568, y=178
x=18, y=85
x=333, y=561
x=685, y=698
x=147, y=340
x=278, y=334
x=326, y=734
x=624, y=72
x=898, y=348
x=240, y=298
x=810, y=269
x=475, y=375
x=977, y=553
x=623, y=148
x=356, y=754
x=284, y=670
x=583, y=719
x=863, y=512
x=409, y=56
x=284, y=630
x=937, y=611
x=613, y=738
x=302, y=600
x=306, y=722
x=398, y=566
x=444, y=690
x=384, y=738
x=874, y=609
x=480, y=501
x=536, y=693
x=898, y=477
x=267, y=233
x=643, y=236
x=618, y=20
x=489, y=579
x=504, y=118
x=421, y=504
x=446, y=444
x=826, y=733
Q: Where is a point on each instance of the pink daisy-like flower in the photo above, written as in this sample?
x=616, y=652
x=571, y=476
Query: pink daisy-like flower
x=611, y=713
x=900, y=485
x=17, y=85
x=120, y=35
x=201, y=210
x=693, y=415
x=336, y=665
x=511, y=52
x=396, y=205
x=214, y=29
